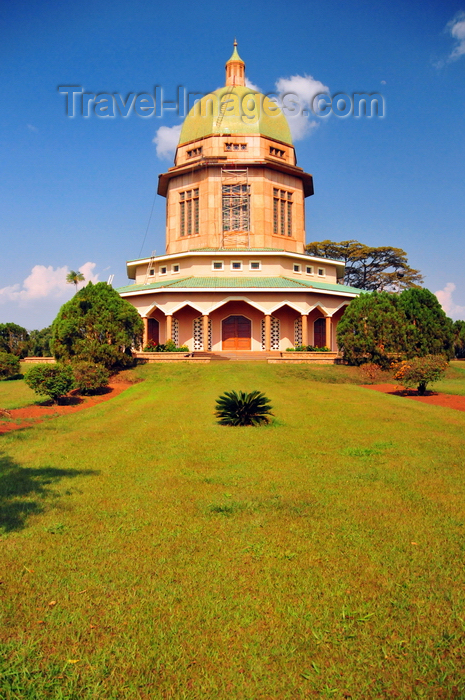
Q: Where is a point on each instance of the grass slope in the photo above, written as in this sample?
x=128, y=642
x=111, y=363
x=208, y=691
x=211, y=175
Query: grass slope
x=15, y=393
x=150, y=553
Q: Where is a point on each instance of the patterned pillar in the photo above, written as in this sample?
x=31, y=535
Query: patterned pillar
x=205, y=332
x=329, y=340
x=145, y=336
x=267, y=333
x=169, y=320
x=304, y=329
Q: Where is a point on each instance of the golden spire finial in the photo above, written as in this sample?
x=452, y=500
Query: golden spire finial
x=235, y=68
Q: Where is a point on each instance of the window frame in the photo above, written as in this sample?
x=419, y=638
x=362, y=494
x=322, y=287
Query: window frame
x=236, y=269
x=255, y=262
x=299, y=268
x=163, y=270
x=217, y=262
x=189, y=212
x=173, y=271
x=283, y=224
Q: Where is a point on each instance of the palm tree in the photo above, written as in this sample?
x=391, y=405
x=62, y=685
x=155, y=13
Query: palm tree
x=74, y=277
x=233, y=408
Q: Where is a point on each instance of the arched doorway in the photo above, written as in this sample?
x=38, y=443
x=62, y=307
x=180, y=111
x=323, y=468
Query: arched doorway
x=236, y=333
x=153, y=330
x=319, y=333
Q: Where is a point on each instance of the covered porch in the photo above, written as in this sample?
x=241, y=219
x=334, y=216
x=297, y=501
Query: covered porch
x=240, y=325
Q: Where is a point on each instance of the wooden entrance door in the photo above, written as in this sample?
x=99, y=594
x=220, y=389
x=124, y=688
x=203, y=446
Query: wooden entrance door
x=319, y=331
x=153, y=330
x=237, y=333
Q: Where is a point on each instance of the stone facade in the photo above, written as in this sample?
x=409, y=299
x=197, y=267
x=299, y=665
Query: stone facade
x=235, y=275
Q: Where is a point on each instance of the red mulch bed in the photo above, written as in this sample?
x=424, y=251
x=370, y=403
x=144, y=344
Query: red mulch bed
x=448, y=400
x=18, y=418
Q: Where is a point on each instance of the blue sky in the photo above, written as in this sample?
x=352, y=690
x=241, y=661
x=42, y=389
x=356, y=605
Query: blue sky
x=77, y=193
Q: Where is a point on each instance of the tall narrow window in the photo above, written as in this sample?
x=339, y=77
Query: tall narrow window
x=189, y=217
x=196, y=211
x=289, y=214
x=283, y=215
x=236, y=201
x=282, y=212
x=189, y=212
x=183, y=213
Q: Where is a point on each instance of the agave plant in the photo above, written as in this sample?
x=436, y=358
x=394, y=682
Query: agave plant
x=240, y=408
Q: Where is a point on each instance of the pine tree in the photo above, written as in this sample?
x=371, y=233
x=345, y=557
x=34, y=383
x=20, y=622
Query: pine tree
x=97, y=325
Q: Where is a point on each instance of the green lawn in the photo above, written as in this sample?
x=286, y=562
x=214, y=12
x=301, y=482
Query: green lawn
x=15, y=393
x=150, y=553
x=454, y=381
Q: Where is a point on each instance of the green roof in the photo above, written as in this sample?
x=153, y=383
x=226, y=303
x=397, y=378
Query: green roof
x=264, y=117
x=237, y=283
x=237, y=250
x=235, y=56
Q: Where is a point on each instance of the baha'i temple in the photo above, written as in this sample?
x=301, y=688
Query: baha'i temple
x=235, y=276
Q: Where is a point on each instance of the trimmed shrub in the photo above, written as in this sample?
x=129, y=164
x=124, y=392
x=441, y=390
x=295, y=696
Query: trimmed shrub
x=9, y=365
x=240, y=408
x=90, y=378
x=53, y=381
x=420, y=371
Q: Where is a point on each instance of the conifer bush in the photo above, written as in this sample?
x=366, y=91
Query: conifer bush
x=241, y=408
x=89, y=377
x=53, y=381
x=98, y=326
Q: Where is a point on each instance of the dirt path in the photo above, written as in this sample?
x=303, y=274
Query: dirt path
x=27, y=416
x=448, y=400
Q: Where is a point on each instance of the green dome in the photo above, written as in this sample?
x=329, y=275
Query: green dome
x=259, y=115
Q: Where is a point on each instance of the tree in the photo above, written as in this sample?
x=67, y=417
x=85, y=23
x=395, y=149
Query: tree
x=98, y=326
x=13, y=339
x=39, y=343
x=420, y=371
x=9, y=365
x=370, y=268
x=429, y=331
x=379, y=326
x=373, y=329
x=53, y=381
x=459, y=338
x=74, y=277
x=241, y=409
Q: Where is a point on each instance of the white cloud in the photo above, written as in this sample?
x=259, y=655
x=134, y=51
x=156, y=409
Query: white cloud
x=251, y=85
x=33, y=128
x=166, y=140
x=304, y=89
x=44, y=283
x=448, y=304
x=456, y=28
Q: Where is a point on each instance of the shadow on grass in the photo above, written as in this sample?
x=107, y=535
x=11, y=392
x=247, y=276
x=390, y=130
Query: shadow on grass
x=22, y=491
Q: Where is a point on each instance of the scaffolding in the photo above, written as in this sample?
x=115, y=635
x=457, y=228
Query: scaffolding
x=149, y=275
x=235, y=212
